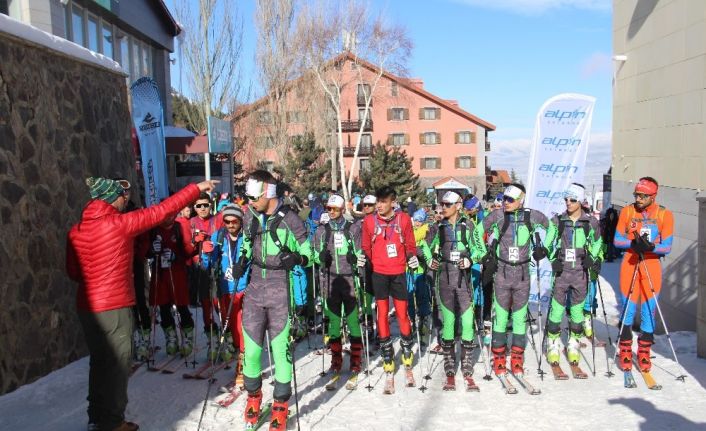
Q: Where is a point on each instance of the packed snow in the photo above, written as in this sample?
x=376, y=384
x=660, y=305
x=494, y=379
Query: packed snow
x=169, y=402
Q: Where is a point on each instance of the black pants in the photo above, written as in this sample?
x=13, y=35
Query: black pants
x=109, y=338
x=167, y=321
x=142, y=312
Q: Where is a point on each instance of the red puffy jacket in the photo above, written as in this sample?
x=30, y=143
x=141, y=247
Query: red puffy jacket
x=377, y=234
x=99, y=249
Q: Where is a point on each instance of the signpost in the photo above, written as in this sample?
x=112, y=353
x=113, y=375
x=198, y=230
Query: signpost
x=220, y=140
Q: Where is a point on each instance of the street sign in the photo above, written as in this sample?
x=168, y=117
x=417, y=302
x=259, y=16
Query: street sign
x=220, y=136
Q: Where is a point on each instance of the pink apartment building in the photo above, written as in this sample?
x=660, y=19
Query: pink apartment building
x=445, y=141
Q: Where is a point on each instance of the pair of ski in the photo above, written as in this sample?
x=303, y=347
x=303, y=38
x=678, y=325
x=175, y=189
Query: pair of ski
x=232, y=392
x=576, y=372
x=170, y=364
x=206, y=370
x=351, y=383
x=450, y=384
x=262, y=418
x=629, y=380
x=510, y=389
x=389, y=388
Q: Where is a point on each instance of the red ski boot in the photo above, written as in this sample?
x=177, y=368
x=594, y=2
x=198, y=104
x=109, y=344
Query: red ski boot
x=252, y=407
x=517, y=360
x=499, y=361
x=356, y=354
x=643, y=355
x=278, y=420
x=625, y=358
x=336, y=355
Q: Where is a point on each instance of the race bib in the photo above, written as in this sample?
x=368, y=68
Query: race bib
x=455, y=256
x=391, y=250
x=646, y=230
x=338, y=239
x=164, y=260
x=229, y=275
x=513, y=254
x=570, y=255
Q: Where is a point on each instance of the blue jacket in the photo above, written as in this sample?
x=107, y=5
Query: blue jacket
x=220, y=253
x=298, y=283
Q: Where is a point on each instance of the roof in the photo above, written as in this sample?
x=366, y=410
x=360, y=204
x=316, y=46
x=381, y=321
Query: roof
x=175, y=27
x=449, y=183
x=406, y=83
x=500, y=177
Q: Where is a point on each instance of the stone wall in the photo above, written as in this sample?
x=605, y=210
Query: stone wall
x=61, y=120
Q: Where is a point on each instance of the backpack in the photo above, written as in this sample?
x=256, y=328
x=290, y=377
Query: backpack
x=441, y=232
x=274, y=224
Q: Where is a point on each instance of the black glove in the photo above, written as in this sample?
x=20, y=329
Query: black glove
x=238, y=270
x=539, y=253
x=591, y=264
x=490, y=266
x=641, y=244
x=289, y=260
x=325, y=258
x=557, y=267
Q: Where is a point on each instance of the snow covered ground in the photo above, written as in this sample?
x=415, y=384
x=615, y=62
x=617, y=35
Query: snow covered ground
x=168, y=402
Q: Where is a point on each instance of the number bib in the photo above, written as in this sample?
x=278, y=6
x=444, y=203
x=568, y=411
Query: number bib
x=570, y=255
x=338, y=240
x=513, y=254
x=391, y=250
x=455, y=256
x=164, y=261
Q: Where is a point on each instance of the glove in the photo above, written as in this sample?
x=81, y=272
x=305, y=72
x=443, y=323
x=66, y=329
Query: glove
x=325, y=258
x=157, y=245
x=413, y=262
x=238, y=270
x=557, y=267
x=464, y=263
x=361, y=260
x=207, y=246
x=434, y=264
x=200, y=236
x=168, y=254
x=490, y=266
x=539, y=253
x=641, y=244
x=290, y=259
x=591, y=264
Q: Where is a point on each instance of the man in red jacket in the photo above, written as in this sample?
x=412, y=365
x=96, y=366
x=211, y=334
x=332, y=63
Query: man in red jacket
x=387, y=240
x=99, y=255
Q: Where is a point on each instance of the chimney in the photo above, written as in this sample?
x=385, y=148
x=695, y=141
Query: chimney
x=417, y=82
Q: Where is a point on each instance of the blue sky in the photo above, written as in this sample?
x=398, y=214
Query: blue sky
x=501, y=59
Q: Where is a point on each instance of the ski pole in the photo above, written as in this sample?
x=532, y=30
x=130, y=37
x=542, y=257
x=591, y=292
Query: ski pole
x=593, y=336
x=323, y=322
x=435, y=291
x=625, y=309
x=537, y=243
x=364, y=332
x=471, y=292
x=292, y=349
x=410, y=278
x=153, y=340
x=609, y=373
x=177, y=316
x=661, y=316
x=529, y=320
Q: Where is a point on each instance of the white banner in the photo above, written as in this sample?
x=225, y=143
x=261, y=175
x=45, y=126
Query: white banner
x=557, y=159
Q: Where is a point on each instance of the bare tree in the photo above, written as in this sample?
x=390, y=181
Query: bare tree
x=334, y=34
x=211, y=46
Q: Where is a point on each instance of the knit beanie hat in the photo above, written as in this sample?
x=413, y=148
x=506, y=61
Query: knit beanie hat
x=232, y=210
x=104, y=189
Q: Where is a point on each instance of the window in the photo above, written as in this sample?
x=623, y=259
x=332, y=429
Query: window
x=107, y=33
x=77, y=25
x=465, y=162
x=398, y=114
x=363, y=90
x=361, y=114
x=429, y=113
x=93, y=36
x=366, y=140
x=125, y=53
x=266, y=142
x=135, y=66
x=264, y=117
x=429, y=138
x=364, y=165
x=394, y=89
x=146, y=60
x=295, y=117
x=430, y=163
x=466, y=138
x=398, y=139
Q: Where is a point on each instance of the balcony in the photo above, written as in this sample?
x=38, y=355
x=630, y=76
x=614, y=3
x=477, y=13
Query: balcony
x=487, y=145
x=354, y=125
x=364, y=151
x=361, y=100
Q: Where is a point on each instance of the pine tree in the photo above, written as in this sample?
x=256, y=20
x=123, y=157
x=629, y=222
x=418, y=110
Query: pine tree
x=513, y=177
x=306, y=169
x=390, y=166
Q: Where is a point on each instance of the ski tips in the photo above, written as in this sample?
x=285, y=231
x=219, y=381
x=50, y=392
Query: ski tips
x=682, y=378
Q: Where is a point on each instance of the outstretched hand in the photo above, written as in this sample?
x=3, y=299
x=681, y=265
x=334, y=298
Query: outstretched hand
x=208, y=185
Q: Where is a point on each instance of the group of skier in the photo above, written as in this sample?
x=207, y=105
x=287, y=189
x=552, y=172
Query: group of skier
x=464, y=277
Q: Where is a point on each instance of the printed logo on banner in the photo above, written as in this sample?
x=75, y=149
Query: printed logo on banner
x=550, y=195
x=561, y=144
x=554, y=170
x=559, y=116
x=149, y=123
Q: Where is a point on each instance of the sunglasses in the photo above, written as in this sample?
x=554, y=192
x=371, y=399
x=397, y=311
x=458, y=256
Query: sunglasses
x=447, y=204
x=641, y=195
x=508, y=199
x=252, y=198
x=231, y=221
x=368, y=205
x=202, y=206
x=332, y=208
x=572, y=200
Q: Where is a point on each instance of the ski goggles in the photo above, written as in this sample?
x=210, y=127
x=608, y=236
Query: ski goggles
x=642, y=196
x=508, y=199
x=207, y=205
x=368, y=205
x=448, y=204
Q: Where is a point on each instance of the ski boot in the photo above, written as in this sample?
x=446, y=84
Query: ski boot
x=449, y=349
x=388, y=355
x=467, y=358
x=517, y=360
x=587, y=327
x=187, y=338
x=356, y=354
x=252, y=408
x=336, y=355
x=572, y=349
x=213, y=346
x=228, y=350
x=280, y=411
x=239, y=378
x=406, y=344
x=171, y=337
x=142, y=344
x=554, y=348
x=499, y=360
x=643, y=355
x=625, y=358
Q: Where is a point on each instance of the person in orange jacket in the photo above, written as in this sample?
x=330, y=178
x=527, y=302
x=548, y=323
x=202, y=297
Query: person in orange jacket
x=645, y=230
